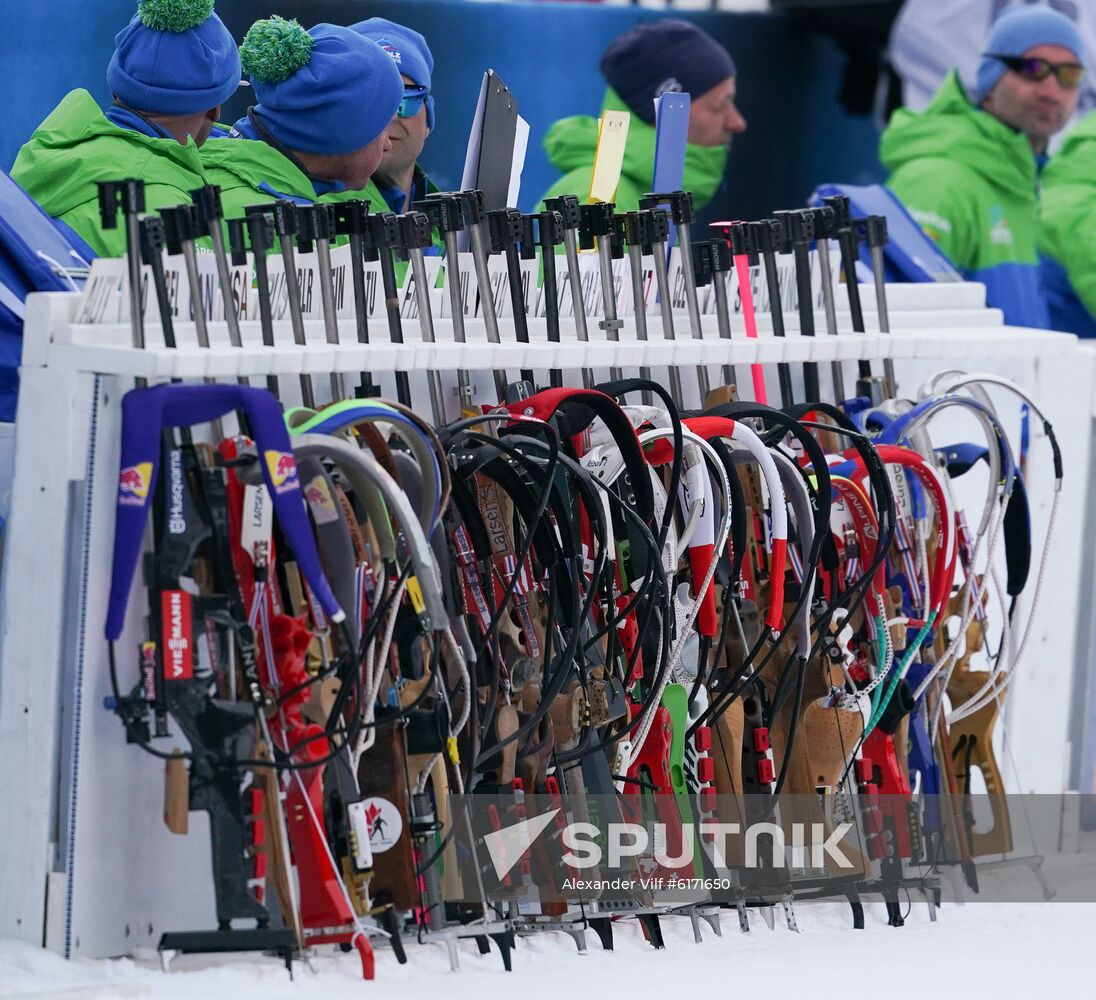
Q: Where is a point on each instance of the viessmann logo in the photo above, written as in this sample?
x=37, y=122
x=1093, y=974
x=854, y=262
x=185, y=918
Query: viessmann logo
x=175, y=616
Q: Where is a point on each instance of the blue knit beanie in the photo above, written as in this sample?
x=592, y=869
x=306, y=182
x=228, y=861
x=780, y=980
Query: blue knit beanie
x=175, y=57
x=408, y=50
x=665, y=56
x=1017, y=30
x=327, y=90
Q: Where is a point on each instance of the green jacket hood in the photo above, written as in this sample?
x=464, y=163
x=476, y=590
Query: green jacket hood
x=572, y=142
x=77, y=145
x=1075, y=162
x=954, y=129
x=247, y=164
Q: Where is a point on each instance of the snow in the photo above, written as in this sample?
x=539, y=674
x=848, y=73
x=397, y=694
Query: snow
x=976, y=951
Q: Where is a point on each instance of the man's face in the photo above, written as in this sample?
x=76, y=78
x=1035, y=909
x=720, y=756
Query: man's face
x=355, y=169
x=714, y=118
x=1036, y=108
x=407, y=137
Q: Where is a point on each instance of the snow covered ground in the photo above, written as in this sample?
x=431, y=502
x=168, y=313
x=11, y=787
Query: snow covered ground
x=981, y=950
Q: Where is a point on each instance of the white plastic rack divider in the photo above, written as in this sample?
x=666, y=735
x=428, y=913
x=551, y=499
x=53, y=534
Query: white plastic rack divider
x=87, y=865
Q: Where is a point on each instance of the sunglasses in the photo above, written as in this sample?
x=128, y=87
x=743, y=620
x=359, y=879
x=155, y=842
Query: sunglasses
x=1069, y=74
x=413, y=98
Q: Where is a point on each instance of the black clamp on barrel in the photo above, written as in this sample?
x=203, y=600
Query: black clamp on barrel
x=743, y=241
x=768, y=235
x=237, y=239
x=636, y=228
x=415, y=231
x=471, y=204
x=315, y=223
x=872, y=230
x=528, y=248
x=703, y=268
x=351, y=218
x=282, y=216
x=207, y=206
x=153, y=237
x=658, y=227
x=842, y=214
x=126, y=196
x=568, y=208
x=798, y=226
x=596, y=221
x=549, y=232
x=682, y=211
x=180, y=226
x=384, y=234
x=505, y=228
x=824, y=222
x=722, y=260
x=445, y=212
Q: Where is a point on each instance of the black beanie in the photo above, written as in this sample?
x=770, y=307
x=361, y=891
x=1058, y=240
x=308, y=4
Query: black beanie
x=664, y=56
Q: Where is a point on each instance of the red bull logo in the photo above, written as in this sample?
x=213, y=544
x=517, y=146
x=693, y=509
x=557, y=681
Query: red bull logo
x=282, y=468
x=322, y=504
x=134, y=484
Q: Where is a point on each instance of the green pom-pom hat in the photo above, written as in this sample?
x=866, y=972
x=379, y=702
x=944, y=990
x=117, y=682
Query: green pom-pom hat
x=274, y=49
x=327, y=90
x=175, y=57
x=174, y=15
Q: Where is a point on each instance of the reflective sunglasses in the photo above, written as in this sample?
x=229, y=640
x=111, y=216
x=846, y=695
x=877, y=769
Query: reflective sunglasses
x=412, y=101
x=1069, y=74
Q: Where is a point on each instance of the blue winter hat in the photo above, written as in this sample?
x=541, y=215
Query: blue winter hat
x=665, y=56
x=328, y=90
x=1017, y=30
x=175, y=57
x=408, y=50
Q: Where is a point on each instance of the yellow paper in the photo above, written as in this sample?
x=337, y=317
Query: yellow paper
x=609, y=159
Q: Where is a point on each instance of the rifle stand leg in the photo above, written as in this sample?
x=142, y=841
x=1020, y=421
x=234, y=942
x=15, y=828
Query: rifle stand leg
x=695, y=921
x=789, y=914
x=578, y=935
x=505, y=942
x=958, y=885
x=483, y=944
x=711, y=917
x=454, y=955
x=652, y=930
x=603, y=928
x=365, y=950
x=390, y=924
x=768, y=914
x=894, y=910
x=857, y=908
x=743, y=916
x=931, y=905
x=1037, y=870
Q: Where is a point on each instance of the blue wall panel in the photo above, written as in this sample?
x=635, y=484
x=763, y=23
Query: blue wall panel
x=548, y=55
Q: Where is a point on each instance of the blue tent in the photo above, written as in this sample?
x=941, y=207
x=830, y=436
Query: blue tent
x=33, y=251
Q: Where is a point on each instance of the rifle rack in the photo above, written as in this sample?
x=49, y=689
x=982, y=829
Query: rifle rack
x=84, y=866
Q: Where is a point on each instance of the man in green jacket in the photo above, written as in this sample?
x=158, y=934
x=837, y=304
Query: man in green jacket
x=325, y=99
x=967, y=167
x=173, y=66
x=652, y=59
x=1067, y=231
